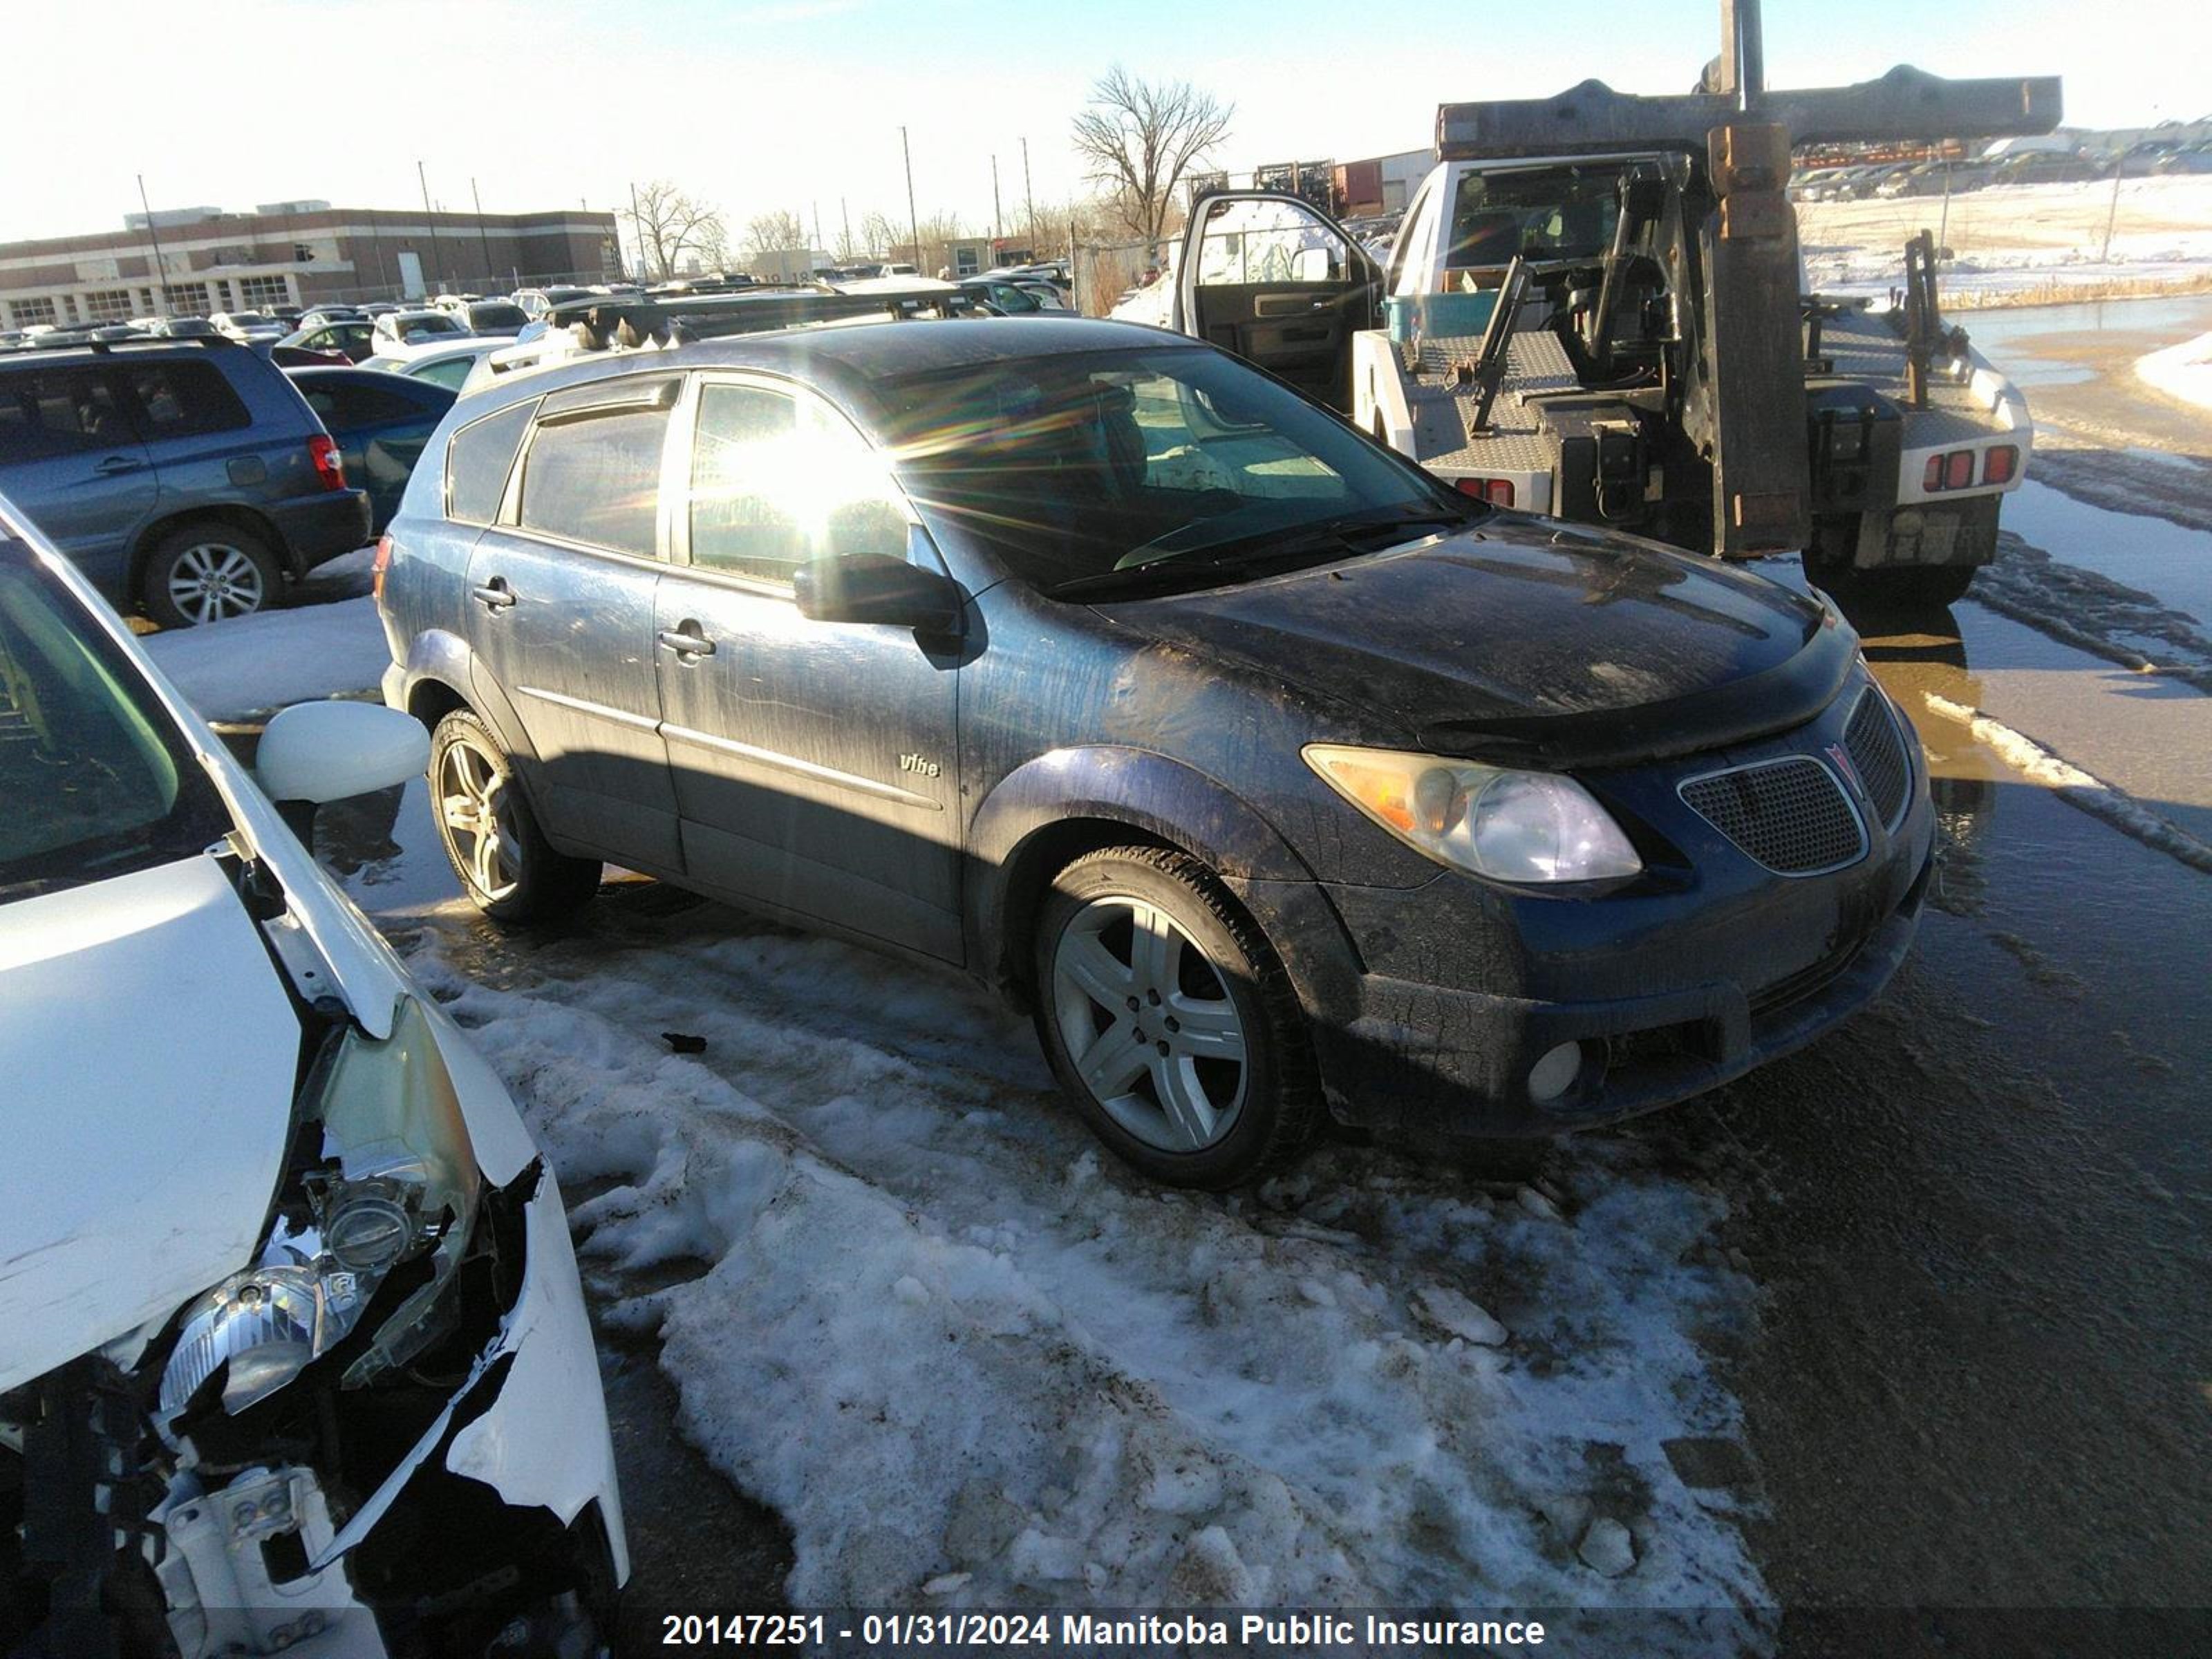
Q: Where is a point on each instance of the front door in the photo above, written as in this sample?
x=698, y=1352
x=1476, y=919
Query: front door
x=72, y=460
x=814, y=762
x=561, y=616
x=1277, y=282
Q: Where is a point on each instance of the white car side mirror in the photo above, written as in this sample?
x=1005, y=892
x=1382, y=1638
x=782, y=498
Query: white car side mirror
x=318, y=752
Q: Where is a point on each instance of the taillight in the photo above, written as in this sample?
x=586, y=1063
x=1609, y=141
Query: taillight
x=1999, y=465
x=1933, y=479
x=1499, y=492
x=1958, y=469
x=330, y=465
x=383, y=563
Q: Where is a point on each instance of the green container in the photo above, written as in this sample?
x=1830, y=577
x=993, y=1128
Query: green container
x=1465, y=315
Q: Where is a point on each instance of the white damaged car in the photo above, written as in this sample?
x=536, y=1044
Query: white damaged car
x=293, y=1355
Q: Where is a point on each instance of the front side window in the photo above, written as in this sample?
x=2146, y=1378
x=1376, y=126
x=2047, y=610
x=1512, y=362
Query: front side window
x=1071, y=467
x=777, y=481
x=594, y=476
x=1248, y=242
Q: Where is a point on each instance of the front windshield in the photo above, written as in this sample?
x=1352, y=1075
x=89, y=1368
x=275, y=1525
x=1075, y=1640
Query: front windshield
x=98, y=782
x=1071, y=468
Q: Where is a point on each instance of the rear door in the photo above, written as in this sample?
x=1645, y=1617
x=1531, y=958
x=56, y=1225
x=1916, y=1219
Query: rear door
x=1277, y=282
x=380, y=430
x=814, y=762
x=560, y=608
x=71, y=459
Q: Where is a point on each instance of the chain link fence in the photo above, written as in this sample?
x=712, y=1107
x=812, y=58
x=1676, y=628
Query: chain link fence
x=1104, y=271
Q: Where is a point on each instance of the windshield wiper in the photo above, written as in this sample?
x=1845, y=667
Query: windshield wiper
x=1353, y=533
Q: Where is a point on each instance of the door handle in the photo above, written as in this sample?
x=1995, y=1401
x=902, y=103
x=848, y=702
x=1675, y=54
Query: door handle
x=687, y=642
x=115, y=464
x=495, y=594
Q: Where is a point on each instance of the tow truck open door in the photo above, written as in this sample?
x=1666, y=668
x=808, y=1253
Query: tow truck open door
x=1277, y=282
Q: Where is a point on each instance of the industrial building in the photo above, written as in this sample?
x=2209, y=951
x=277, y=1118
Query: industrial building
x=195, y=261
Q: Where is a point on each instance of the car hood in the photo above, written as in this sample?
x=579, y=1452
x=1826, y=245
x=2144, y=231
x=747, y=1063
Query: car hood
x=1528, y=642
x=149, y=1052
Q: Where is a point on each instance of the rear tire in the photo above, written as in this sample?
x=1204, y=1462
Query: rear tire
x=1171, y=1022
x=507, y=868
x=208, y=571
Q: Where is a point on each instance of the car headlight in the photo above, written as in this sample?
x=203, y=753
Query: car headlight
x=1524, y=827
x=396, y=1182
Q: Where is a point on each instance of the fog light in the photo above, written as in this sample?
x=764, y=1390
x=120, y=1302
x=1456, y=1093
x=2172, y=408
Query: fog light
x=1555, y=1073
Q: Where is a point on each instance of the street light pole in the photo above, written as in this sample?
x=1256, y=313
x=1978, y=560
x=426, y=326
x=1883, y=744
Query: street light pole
x=437, y=265
x=160, y=265
x=997, y=228
x=913, y=219
x=1029, y=195
x=483, y=236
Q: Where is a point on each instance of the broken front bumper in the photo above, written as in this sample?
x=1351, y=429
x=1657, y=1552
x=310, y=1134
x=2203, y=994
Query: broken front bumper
x=502, y=1522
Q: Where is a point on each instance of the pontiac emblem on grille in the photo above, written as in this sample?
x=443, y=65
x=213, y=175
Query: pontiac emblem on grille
x=1835, y=752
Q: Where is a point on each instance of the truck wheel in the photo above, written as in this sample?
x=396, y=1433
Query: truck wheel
x=507, y=868
x=207, y=572
x=1170, y=1021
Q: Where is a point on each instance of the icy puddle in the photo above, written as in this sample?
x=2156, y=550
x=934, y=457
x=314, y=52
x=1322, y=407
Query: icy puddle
x=909, y=1304
x=2171, y=564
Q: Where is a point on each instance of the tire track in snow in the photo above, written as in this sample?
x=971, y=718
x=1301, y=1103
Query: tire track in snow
x=960, y=1350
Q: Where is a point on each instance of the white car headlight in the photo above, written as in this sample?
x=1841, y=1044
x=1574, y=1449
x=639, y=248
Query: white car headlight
x=396, y=1182
x=1522, y=827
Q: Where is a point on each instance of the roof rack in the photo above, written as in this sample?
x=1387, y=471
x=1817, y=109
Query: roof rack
x=674, y=319
x=105, y=347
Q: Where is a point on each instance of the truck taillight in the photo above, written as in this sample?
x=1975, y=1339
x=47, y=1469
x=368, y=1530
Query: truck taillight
x=2000, y=465
x=1499, y=492
x=383, y=563
x=1952, y=471
x=330, y=465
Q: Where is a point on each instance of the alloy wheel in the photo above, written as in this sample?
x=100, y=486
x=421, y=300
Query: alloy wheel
x=478, y=828
x=211, y=581
x=1148, y=1024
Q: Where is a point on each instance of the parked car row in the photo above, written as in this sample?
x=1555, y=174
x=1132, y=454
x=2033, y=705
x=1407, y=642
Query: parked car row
x=1888, y=180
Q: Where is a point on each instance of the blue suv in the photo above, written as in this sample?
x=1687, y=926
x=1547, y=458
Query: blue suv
x=187, y=478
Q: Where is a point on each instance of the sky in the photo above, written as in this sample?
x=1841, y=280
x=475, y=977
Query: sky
x=797, y=104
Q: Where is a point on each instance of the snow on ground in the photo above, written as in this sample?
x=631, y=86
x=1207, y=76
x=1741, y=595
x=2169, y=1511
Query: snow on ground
x=2011, y=242
x=250, y=665
x=909, y=1304
x=2183, y=371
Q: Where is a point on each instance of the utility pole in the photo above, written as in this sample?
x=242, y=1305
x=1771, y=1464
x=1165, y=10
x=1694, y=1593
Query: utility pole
x=437, y=265
x=483, y=237
x=817, y=227
x=1029, y=195
x=997, y=229
x=845, y=215
x=913, y=218
x=636, y=231
x=160, y=265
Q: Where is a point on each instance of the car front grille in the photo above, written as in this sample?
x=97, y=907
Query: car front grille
x=1877, y=750
x=1791, y=815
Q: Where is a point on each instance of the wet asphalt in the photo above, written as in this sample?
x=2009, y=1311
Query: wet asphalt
x=1980, y=1216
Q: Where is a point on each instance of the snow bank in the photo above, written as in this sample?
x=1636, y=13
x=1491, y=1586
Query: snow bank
x=253, y=665
x=970, y=1361
x=2074, y=786
x=2183, y=371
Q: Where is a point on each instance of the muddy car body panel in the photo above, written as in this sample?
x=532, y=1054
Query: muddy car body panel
x=295, y=1352
x=1094, y=711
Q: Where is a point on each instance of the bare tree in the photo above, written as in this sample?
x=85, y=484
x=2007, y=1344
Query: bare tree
x=1138, y=140
x=667, y=224
x=774, y=233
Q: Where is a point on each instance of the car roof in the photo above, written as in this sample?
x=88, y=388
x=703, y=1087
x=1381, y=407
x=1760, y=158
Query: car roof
x=853, y=355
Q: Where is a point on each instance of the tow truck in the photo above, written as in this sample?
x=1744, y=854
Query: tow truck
x=1593, y=308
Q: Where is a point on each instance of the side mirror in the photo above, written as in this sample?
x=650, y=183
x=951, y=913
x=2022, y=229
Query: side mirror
x=875, y=588
x=313, y=753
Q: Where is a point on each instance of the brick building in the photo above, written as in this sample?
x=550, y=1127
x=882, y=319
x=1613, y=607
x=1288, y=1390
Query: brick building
x=198, y=260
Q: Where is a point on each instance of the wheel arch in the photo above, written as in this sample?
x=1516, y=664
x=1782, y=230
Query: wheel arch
x=1060, y=805
x=234, y=514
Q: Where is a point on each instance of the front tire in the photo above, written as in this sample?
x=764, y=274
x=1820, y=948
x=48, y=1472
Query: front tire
x=209, y=572
x=1171, y=1022
x=507, y=868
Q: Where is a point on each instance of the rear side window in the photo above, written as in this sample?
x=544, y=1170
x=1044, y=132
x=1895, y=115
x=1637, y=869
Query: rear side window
x=449, y=374
x=594, y=476
x=351, y=404
x=477, y=461
x=183, y=399
x=59, y=411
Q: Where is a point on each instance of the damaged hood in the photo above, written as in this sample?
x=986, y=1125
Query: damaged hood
x=147, y=1049
x=1531, y=643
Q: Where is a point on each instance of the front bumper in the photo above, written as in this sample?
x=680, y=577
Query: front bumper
x=1424, y=1056
x=504, y=1516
